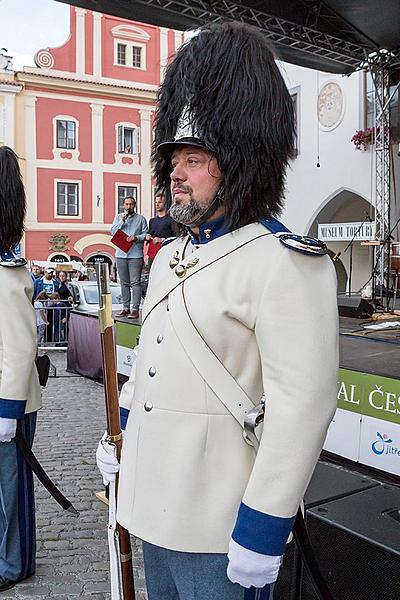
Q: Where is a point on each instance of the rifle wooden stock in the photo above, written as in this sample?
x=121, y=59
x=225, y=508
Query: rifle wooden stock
x=106, y=324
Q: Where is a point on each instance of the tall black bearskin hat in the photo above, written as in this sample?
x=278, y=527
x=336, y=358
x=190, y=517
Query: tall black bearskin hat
x=12, y=200
x=224, y=92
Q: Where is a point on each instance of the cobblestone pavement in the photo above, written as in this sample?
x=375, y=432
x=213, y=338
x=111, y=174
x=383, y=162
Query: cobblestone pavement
x=72, y=553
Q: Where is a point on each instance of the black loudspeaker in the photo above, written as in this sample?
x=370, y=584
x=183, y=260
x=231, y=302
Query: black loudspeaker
x=329, y=482
x=354, y=306
x=357, y=542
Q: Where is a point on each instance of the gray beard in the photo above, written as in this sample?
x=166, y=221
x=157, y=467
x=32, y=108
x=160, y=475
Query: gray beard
x=186, y=214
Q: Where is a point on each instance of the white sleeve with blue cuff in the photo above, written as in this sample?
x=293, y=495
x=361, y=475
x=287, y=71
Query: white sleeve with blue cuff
x=299, y=365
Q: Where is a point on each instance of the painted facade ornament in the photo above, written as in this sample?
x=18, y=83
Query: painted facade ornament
x=59, y=243
x=330, y=105
x=44, y=59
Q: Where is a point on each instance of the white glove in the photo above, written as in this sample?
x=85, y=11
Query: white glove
x=106, y=460
x=8, y=428
x=251, y=569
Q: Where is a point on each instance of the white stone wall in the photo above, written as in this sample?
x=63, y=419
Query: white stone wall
x=7, y=108
x=345, y=175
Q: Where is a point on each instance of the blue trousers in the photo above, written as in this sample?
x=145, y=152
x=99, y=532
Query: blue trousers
x=17, y=508
x=172, y=575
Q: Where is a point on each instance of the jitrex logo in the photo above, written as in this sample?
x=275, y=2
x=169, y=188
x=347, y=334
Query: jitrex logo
x=382, y=445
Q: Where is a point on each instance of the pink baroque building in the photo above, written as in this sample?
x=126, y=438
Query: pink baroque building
x=84, y=132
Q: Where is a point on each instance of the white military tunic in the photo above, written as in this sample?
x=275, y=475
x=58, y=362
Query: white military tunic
x=19, y=383
x=270, y=315
x=19, y=399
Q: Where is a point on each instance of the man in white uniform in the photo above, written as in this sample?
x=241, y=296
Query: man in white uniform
x=219, y=332
x=19, y=384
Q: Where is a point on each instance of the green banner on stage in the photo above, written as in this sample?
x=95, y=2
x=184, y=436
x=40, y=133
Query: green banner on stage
x=370, y=395
x=127, y=334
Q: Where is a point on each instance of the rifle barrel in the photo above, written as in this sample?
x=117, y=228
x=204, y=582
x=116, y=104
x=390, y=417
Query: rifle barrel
x=106, y=326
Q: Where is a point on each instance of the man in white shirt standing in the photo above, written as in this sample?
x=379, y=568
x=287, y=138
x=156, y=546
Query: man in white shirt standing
x=130, y=264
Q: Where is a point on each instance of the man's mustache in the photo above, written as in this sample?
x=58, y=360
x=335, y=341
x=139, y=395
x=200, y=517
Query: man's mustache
x=182, y=188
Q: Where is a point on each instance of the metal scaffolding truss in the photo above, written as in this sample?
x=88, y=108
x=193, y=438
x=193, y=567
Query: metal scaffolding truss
x=382, y=174
x=281, y=31
x=379, y=65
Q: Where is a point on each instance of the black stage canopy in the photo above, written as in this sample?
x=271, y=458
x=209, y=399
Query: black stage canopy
x=334, y=35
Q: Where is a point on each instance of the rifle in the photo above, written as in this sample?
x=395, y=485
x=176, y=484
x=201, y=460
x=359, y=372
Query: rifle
x=122, y=584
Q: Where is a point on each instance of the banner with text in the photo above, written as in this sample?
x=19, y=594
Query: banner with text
x=342, y=232
x=366, y=426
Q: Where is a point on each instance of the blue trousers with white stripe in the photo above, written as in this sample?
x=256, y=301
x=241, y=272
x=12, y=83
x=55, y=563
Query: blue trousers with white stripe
x=17, y=508
x=172, y=575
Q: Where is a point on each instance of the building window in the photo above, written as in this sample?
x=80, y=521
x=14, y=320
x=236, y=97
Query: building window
x=127, y=140
x=130, y=50
x=369, y=101
x=66, y=134
x=124, y=192
x=121, y=54
x=67, y=199
x=137, y=57
x=295, y=101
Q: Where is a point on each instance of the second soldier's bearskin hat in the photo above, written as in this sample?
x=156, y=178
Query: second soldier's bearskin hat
x=224, y=92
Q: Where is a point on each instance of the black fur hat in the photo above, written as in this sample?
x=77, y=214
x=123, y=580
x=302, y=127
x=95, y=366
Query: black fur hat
x=224, y=92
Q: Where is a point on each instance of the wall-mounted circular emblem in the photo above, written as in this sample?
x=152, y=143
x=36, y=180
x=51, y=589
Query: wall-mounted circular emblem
x=330, y=105
x=44, y=59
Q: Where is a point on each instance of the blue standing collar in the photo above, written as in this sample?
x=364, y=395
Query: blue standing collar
x=210, y=231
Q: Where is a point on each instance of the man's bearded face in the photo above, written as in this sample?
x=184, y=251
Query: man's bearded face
x=195, y=180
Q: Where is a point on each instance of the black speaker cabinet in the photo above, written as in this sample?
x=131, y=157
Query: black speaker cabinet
x=357, y=543
x=354, y=306
x=329, y=482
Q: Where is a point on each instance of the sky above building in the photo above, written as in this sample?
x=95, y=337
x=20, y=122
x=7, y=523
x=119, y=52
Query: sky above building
x=29, y=25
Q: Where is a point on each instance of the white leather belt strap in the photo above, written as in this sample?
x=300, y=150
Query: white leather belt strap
x=206, y=255
x=208, y=365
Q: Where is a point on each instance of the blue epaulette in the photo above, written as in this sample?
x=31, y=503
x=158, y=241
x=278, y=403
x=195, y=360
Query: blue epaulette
x=300, y=243
x=9, y=259
x=167, y=241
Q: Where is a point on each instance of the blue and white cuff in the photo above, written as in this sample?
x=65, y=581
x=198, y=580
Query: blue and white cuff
x=12, y=409
x=261, y=532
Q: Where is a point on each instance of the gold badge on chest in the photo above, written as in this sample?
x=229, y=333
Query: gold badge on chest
x=174, y=260
x=181, y=270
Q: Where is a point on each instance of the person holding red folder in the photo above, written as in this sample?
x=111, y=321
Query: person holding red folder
x=129, y=231
x=160, y=228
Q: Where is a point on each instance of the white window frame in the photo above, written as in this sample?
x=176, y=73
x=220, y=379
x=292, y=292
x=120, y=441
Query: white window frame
x=129, y=54
x=68, y=181
x=134, y=148
x=295, y=93
x=58, y=151
x=118, y=156
x=137, y=47
x=125, y=184
x=371, y=94
x=117, y=44
x=67, y=139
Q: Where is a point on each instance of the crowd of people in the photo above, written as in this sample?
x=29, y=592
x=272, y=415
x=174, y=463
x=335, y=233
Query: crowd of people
x=53, y=299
